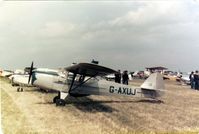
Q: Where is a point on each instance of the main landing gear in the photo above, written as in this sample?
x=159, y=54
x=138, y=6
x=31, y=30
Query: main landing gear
x=60, y=99
x=20, y=89
x=60, y=102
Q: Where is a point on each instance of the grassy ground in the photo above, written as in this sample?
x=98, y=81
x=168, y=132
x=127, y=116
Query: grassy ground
x=33, y=112
x=13, y=120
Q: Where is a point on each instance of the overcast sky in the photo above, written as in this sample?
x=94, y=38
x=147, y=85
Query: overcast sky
x=121, y=35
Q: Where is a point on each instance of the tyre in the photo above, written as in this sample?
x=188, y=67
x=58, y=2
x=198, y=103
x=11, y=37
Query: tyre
x=18, y=89
x=60, y=102
x=55, y=99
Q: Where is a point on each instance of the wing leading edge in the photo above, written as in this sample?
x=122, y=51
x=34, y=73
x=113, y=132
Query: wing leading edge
x=89, y=69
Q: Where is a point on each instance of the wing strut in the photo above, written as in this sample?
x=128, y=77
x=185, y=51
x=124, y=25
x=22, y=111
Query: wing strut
x=78, y=84
x=72, y=83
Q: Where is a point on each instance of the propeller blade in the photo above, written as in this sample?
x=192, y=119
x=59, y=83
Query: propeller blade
x=30, y=73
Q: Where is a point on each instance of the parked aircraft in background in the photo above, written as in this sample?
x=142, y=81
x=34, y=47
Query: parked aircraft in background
x=139, y=75
x=1, y=71
x=85, y=79
x=110, y=77
x=20, y=78
x=170, y=75
x=6, y=73
x=184, y=78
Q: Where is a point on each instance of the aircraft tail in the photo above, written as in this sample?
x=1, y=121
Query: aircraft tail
x=153, y=86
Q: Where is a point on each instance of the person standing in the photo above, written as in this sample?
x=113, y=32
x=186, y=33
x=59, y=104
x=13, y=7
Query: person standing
x=118, y=77
x=125, y=77
x=196, y=80
x=192, y=82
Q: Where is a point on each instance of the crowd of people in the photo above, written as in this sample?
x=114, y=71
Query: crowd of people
x=122, y=77
x=194, y=80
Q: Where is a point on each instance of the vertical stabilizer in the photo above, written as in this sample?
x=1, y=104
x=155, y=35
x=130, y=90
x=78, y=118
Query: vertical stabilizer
x=153, y=86
x=154, y=82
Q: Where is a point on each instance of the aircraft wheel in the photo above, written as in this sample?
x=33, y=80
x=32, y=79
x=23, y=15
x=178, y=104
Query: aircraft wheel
x=18, y=89
x=60, y=102
x=55, y=99
x=21, y=89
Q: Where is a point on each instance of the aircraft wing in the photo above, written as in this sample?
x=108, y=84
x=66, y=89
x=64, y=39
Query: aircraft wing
x=89, y=69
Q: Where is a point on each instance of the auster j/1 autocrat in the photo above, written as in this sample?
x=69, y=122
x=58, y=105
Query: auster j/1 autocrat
x=85, y=79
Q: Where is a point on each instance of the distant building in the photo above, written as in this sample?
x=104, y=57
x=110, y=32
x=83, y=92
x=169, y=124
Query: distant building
x=156, y=69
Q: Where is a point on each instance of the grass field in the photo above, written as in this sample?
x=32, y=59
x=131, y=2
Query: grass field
x=33, y=112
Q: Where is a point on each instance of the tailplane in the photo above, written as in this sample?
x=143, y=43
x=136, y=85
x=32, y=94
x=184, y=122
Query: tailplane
x=153, y=86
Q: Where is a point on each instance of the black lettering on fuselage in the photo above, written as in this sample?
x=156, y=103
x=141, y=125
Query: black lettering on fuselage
x=134, y=92
x=122, y=90
x=125, y=90
x=129, y=92
x=111, y=89
x=119, y=90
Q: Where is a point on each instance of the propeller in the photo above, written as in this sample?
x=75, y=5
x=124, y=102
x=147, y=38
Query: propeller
x=30, y=73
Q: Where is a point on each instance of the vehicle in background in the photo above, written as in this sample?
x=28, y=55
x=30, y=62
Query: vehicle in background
x=139, y=75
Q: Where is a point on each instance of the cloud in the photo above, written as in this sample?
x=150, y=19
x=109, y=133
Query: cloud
x=149, y=22
x=128, y=35
x=153, y=14
x=57, y=29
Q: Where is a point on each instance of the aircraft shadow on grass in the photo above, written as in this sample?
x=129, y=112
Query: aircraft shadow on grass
x=41, y=90
x=87, y=104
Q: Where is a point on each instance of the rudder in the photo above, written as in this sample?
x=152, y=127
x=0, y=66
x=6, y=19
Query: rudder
x=153, y=86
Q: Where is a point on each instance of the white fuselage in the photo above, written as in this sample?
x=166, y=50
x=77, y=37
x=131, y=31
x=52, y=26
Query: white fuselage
x=20, y=79
x=55, y=80
x=49, y=79
x=52, y=80
x=103, y=87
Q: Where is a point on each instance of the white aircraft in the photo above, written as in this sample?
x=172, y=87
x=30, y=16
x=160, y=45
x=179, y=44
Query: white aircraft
x=110, y=77
x=20, y=80
x=6, y=73
x=85, y=79
x=184, y=79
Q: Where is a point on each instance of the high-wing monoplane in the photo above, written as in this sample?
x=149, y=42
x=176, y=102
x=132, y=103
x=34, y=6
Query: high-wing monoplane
x=85, y=79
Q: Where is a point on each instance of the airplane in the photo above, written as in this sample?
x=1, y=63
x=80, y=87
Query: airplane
x=110, y=77
x=84, y=79
x=6, y=73
x=20, y=78
x=184, y=79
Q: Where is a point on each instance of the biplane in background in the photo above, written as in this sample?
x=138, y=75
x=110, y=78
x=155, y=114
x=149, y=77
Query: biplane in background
x=86, y=79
